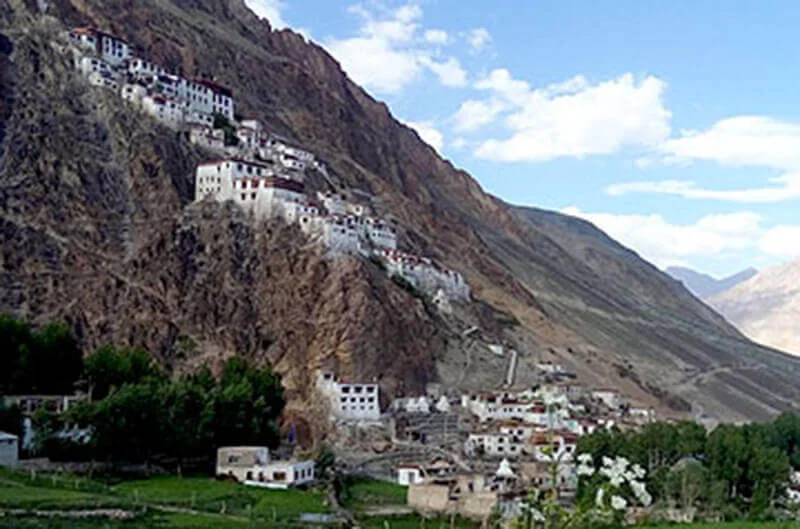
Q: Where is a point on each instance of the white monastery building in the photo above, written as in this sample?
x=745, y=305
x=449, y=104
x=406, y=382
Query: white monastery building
x=350, y=401
x=111, y=49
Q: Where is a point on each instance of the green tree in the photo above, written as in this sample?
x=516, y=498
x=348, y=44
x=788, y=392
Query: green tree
x=248, y=401
x=55, y=347
x=15, y=337
x=110, y=368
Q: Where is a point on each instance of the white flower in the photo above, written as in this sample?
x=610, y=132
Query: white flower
x=646, y=499
x=640, y=490
x=585, y=470
x=598, y=499
x=537, y=515
x=638, y=471
x=585, y=459
x=618, y=503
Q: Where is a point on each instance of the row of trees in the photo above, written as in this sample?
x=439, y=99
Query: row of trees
x=732, y=470
x=46, y=361
x=137, y=410
x=138, y=413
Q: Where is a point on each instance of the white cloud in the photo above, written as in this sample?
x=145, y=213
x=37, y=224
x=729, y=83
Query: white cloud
x=574, y=118
x=781, y=241
x=458, y=143
x=664, y=243
x=473, y=114
x=391, y=50
x=752, y=141
x=429, y=133
x=437, y=36
x=269, y=9
x=741, y=141
x=478, y=39
x=785, y=187
x=449, y=72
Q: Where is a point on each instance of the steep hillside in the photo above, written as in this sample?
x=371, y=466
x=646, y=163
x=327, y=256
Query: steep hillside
x=703, y=285
x=767, y=307
x=97, y=228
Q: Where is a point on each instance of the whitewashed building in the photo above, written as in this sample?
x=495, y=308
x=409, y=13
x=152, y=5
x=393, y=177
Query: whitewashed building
x=253, y=185
x=408, y=474
x=111, y=49
x=252, y=465
x=553, y=446
x=494, y=445
x=168, y=110
x=350, y=401
x=609, y=397
x=207, y=137
x=424, y=274
x=144, y=70
x=504, y=407
x=9, y=450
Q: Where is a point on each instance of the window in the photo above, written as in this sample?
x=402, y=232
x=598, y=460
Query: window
x=244, y=197
x=253, y=196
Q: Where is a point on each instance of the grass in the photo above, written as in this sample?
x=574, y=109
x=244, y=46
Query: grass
x=363, y=492
x=210, y=495
x=727, y=525
x=415, y=522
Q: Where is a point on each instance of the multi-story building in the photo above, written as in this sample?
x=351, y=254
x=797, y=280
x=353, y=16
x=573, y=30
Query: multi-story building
x=350, y=401
x=109, y=48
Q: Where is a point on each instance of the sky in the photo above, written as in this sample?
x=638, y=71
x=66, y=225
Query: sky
x=673, y=126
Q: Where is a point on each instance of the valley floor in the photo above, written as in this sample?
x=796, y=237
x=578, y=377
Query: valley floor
x=204, y=503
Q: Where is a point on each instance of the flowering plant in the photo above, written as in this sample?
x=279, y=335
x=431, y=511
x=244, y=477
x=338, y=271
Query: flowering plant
x=617, y=485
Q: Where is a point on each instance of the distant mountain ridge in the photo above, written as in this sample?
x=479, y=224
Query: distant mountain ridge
x=704, y=285
x=766, y=308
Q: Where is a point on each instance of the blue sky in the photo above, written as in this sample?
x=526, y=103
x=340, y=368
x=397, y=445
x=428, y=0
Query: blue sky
x=674, y=126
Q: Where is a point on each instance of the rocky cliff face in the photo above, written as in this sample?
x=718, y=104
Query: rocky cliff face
x=97, y=228
x=767, y=307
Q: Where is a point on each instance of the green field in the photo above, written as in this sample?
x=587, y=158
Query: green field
x=363, y=493
x=205, y=503
x=210, y=495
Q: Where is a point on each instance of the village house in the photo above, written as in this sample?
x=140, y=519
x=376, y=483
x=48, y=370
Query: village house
x=608, y=397
x=350, y=401
x=30, y=404
x=252, y=465
x=494, y=445
x=503, y=407
x=552, y=446
x=411, y=474
x=475, y=496
x=9, y=450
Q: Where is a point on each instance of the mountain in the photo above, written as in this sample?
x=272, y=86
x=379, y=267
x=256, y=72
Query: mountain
x=767, y=307
x=98, y=228
x=705, y=286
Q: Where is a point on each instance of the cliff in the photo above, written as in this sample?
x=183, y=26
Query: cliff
x=97, y=228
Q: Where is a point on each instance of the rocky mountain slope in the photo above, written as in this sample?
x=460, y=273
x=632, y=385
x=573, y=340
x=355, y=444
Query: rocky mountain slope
x=97, y=228
x=767, y=307
x=703, y=285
